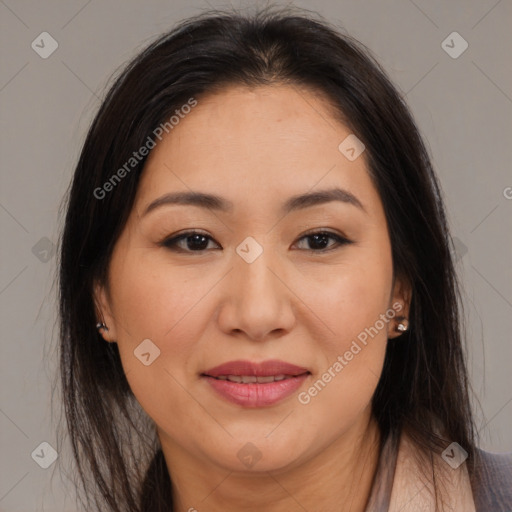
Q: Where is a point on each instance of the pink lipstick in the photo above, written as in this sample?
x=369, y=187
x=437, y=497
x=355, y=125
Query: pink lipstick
x=256, y=384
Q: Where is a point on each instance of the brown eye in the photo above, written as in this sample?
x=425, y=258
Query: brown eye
x=191, y=241
x=319, y=241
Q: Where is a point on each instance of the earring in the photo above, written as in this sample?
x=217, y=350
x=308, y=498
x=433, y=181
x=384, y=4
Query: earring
x=403, y=324
x=101, y=325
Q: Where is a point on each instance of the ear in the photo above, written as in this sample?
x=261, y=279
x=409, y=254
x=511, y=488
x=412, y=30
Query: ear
x=400, y=303
x=104, y=314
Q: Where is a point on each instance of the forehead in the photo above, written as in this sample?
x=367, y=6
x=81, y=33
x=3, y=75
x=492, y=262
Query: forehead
x=252, y=141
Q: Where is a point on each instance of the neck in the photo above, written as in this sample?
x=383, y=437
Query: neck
x=337, y=479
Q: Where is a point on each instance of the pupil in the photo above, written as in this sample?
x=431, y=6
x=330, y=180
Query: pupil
x=196, y=238
x=324, y=239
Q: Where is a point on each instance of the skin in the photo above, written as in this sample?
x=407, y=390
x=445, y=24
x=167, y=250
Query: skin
x=256, y=147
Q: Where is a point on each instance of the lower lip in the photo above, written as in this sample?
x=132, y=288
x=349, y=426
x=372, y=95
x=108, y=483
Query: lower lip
x=256, y=394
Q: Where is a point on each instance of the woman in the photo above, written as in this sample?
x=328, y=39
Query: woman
x=258, y=300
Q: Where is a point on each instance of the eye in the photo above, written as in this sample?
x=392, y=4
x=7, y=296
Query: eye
x=194, y=241
x=319, y=241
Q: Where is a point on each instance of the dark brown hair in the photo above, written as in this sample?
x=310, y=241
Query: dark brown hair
x=424, y=384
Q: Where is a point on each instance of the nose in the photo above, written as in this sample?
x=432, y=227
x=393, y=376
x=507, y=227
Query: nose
x=258, y=301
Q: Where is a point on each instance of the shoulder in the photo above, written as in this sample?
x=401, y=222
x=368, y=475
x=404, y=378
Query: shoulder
x=491, y=481
x=424, y=482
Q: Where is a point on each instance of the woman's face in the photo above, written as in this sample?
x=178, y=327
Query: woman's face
x=255, y=285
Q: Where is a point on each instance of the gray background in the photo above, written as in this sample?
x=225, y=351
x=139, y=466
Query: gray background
x=463, y=107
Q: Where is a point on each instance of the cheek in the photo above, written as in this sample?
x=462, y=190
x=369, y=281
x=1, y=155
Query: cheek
x=158, y=301
x=161, y=303
x=353, y=297
x=356, y=308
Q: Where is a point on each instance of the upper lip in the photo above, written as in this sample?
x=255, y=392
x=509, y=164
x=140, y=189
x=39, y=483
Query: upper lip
x=263, y=369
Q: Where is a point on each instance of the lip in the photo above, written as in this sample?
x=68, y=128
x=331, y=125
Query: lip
x=256, y=394
x=263, y=369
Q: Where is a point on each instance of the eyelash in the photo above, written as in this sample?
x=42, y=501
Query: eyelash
x=171, y=243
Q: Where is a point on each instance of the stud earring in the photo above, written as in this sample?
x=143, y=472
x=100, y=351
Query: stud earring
x=101, y=325
x=403, y=324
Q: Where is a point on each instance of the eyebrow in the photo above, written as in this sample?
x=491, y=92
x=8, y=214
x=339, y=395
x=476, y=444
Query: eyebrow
x=294, y=203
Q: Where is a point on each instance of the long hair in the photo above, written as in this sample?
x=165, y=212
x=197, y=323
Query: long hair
x=424, y=385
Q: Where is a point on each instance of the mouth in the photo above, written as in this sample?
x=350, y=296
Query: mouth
x=252, y=384
x=251, y=379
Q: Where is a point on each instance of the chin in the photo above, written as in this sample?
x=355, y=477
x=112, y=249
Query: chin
x=259, y=454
